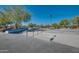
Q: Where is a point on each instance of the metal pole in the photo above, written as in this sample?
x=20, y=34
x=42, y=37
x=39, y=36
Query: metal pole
x=37, y=32
x=33, y=34
x=26, y=34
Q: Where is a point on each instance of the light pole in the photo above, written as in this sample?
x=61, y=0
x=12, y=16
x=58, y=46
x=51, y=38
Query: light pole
x=50, y=16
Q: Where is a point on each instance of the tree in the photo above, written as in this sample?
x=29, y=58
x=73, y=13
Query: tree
x=64, y=23
x=47, y=26
x=41, y=25
x=14, y=15
x=55, y=26
x=75, y=21
x=4, y=20
x=32, y=25
x=17, y=15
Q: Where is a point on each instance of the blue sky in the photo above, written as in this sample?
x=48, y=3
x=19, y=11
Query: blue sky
x=41, y=13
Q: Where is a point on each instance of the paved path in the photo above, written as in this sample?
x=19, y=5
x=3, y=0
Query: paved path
x=13, y=43
x=67, y=38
